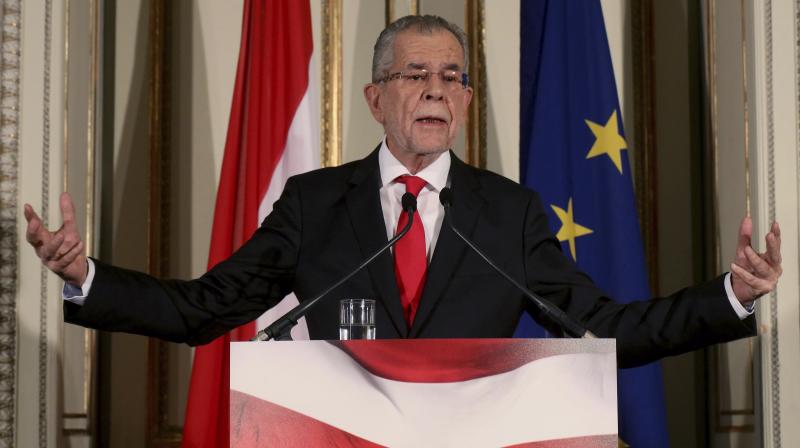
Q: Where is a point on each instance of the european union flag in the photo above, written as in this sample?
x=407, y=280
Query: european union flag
x=574, y=153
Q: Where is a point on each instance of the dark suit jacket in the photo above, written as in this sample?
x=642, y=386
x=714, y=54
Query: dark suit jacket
x=329, y=220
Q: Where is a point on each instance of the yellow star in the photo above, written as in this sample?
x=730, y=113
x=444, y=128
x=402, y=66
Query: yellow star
x=569, y=228
x=607, y=141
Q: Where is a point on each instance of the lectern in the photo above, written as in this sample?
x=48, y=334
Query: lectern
x=424, y=393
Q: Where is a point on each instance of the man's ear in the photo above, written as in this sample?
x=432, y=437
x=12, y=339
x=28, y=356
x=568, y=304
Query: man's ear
x=372, y=93
x=468, y=94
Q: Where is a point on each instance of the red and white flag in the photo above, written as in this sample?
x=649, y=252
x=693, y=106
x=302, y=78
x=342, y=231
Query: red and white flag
x=419, y=393
x=273, y=134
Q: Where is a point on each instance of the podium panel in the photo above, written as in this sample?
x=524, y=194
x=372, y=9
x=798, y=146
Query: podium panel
x=419, y=393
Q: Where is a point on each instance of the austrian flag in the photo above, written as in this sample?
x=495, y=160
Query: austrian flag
x=273, y=134
x=420, y=393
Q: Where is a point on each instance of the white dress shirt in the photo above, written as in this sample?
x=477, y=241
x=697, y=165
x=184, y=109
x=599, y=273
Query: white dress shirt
x=391, y=192
x=428, y=205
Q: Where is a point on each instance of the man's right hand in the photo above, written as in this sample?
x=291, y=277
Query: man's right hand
x=62, y=251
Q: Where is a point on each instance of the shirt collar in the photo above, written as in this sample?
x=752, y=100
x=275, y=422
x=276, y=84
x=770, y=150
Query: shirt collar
x=434, y=174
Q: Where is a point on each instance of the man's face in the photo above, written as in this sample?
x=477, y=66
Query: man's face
x=421, y=118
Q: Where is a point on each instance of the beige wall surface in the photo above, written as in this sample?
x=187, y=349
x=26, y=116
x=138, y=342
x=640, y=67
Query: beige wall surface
x=677, y=266
x=502, y=91
x=206, y=46
x=38, y=318
x=125, y=178
x=205, y=41
x=362, y=20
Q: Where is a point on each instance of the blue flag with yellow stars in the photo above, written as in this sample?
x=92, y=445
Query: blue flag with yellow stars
x=574, y=153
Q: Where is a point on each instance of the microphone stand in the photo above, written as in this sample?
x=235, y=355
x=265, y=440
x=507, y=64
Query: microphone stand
x=567, y=322
x=280, y=329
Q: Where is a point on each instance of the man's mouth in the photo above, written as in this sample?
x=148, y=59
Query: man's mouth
x=431, y=120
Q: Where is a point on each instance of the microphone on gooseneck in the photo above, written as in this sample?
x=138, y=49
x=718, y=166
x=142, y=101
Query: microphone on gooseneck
x=567, y=322
x=280, y=329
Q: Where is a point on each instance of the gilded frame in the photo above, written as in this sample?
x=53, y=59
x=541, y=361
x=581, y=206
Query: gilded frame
x=83, y=421
x=712, y=141
x=160, y=433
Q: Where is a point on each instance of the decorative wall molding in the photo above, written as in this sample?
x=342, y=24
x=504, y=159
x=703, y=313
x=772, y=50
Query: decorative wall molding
x=776, y=187
x=76, y=377
x=733, y=390
x=45, y=207
x=161, y=432
x=645, y=168
x=773, y=357
x=396, y=8
x=331, y=123
x=9, y=149
x=476, y=123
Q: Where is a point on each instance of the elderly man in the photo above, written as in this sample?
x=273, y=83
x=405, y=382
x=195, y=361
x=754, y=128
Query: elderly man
x=328, y=220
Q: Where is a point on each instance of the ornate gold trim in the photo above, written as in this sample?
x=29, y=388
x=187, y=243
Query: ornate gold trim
x=331, y=126
x=87, y=408
x=644, y=167
x=91, y=116
x=711, y=64
x=65, y=149
x=711, y=73
x=746, y=105
x=89, y=352
x=391, y=15
x=158, y=183
x=159, y=431
x=476, y=122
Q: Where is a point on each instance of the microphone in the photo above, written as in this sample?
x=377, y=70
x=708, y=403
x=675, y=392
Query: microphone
x=280, y=329
x=569, y=324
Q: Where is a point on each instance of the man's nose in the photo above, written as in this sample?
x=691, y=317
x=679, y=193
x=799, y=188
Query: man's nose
x=434, y=88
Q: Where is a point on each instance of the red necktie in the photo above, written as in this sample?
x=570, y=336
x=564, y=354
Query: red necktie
x=410, y=262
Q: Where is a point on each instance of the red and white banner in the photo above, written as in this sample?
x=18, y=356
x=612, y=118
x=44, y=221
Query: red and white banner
x=273, y=133
x=414, y=393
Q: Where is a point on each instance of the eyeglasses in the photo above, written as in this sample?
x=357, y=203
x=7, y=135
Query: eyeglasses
x=452, y=79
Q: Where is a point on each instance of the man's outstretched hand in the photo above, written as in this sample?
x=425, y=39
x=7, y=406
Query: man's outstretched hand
x=754, y=274
x=62, y=251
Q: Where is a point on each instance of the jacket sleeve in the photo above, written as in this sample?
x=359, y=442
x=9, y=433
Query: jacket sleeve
x=646, y=330
x=235, y=291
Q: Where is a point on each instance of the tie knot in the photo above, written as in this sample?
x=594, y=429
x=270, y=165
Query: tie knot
x=413, y=183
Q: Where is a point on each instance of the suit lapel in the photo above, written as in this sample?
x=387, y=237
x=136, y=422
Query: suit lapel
x=364, y=207
x=449, y=250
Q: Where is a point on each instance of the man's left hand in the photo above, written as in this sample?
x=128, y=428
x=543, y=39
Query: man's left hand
x=754, y=274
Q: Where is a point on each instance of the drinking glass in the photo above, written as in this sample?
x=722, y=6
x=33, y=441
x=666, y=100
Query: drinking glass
x=356, y=319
